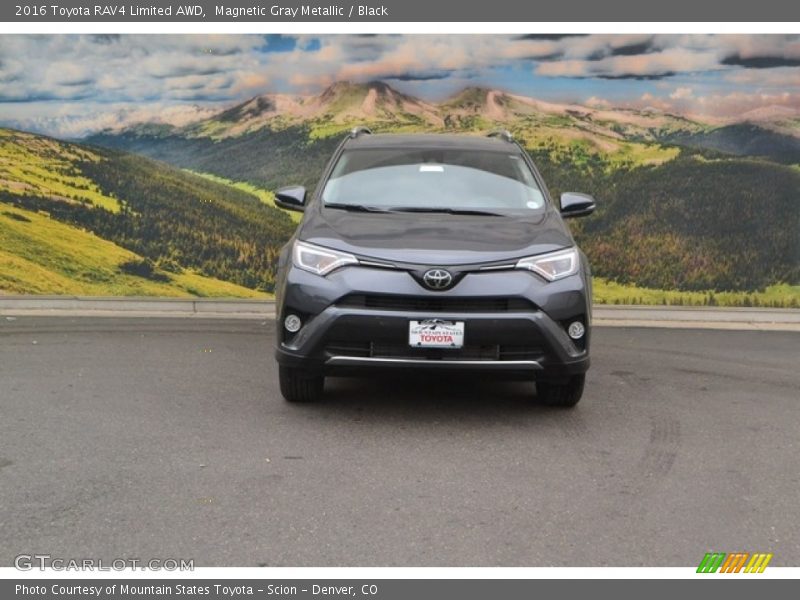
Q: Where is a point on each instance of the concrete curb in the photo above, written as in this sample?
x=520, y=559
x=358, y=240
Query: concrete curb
x=698, y=317
x=135, y=307
x=682, y=317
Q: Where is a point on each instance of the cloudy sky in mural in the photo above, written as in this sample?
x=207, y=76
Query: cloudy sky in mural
x=72, y=85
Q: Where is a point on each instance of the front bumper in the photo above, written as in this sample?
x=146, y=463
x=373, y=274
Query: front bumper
x=528, y=337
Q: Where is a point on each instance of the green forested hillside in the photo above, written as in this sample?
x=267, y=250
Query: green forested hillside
x=744, y=139
x=698, y=224
x=174, y=222
x=266, y=158
x=40, y=255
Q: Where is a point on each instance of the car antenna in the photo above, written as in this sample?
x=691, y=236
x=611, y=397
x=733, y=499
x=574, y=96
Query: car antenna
x=359, y=130
x=504, y=134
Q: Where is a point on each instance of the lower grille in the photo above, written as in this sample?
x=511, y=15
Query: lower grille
x=490, y=352
x=359, y=349
x=474, y=352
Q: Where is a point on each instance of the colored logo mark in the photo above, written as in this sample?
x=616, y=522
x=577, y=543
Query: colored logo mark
x=736, y=562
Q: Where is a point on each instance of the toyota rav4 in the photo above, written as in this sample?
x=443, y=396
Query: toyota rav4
x=433, y=252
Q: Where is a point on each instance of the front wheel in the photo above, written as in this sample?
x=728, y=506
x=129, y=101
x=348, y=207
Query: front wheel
x=299, y=386
x=565, y=395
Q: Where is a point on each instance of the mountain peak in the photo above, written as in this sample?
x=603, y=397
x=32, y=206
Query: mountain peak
x=492, y=104
x=347, y=101
x=254, y=107
x=339, y=88
x=469, y=97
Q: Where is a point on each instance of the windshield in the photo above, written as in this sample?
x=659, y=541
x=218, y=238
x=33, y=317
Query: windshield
x=433, y=180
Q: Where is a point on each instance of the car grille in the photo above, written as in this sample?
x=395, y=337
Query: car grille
x=433, y=304
x=468, y=352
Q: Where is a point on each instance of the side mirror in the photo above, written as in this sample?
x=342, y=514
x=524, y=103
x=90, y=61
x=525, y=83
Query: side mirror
x=291, y=198
x=574, y=204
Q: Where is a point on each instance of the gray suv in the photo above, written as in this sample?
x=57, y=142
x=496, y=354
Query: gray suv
x=433, y=252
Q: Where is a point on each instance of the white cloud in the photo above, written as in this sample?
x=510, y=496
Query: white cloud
x=682, y=93
x=595, y=102
x=655, y=64
x=70, y=120
x=785, y=78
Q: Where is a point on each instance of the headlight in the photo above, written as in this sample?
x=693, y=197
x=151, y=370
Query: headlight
x=319, y=260
x=552, y=266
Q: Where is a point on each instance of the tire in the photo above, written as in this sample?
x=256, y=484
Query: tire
x=298, y=386
x=564, y=395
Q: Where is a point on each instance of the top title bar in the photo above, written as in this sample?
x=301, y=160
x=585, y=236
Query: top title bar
x=397, y=11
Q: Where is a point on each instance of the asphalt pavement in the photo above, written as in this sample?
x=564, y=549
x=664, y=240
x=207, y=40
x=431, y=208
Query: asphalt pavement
x=168, y=438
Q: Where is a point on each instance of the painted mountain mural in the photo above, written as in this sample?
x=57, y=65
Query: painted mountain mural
x=694, y=206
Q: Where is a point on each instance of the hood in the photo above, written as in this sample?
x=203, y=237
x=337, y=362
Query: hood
x=434, y=238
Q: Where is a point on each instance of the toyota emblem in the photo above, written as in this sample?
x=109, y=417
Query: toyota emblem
x=437, y=279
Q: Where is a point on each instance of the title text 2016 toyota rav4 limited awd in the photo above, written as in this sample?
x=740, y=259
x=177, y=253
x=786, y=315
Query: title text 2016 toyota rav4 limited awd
x=433, y=252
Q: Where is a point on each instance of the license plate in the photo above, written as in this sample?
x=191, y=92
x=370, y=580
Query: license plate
x=436, y=333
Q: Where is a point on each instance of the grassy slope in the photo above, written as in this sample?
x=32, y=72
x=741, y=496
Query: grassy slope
x=38, y=165
x=263, y=195
x=214, y=238
x=42, y=256
x=774, y=296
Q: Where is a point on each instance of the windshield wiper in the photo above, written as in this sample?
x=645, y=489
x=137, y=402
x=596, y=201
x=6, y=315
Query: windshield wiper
x=355, y=207
x=447, y=211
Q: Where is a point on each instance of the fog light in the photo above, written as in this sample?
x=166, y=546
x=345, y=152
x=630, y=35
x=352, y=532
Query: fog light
x=576, y=330
x=292, y=323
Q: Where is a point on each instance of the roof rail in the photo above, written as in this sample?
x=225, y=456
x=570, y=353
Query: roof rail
x=504, y=134
x=359, y=130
